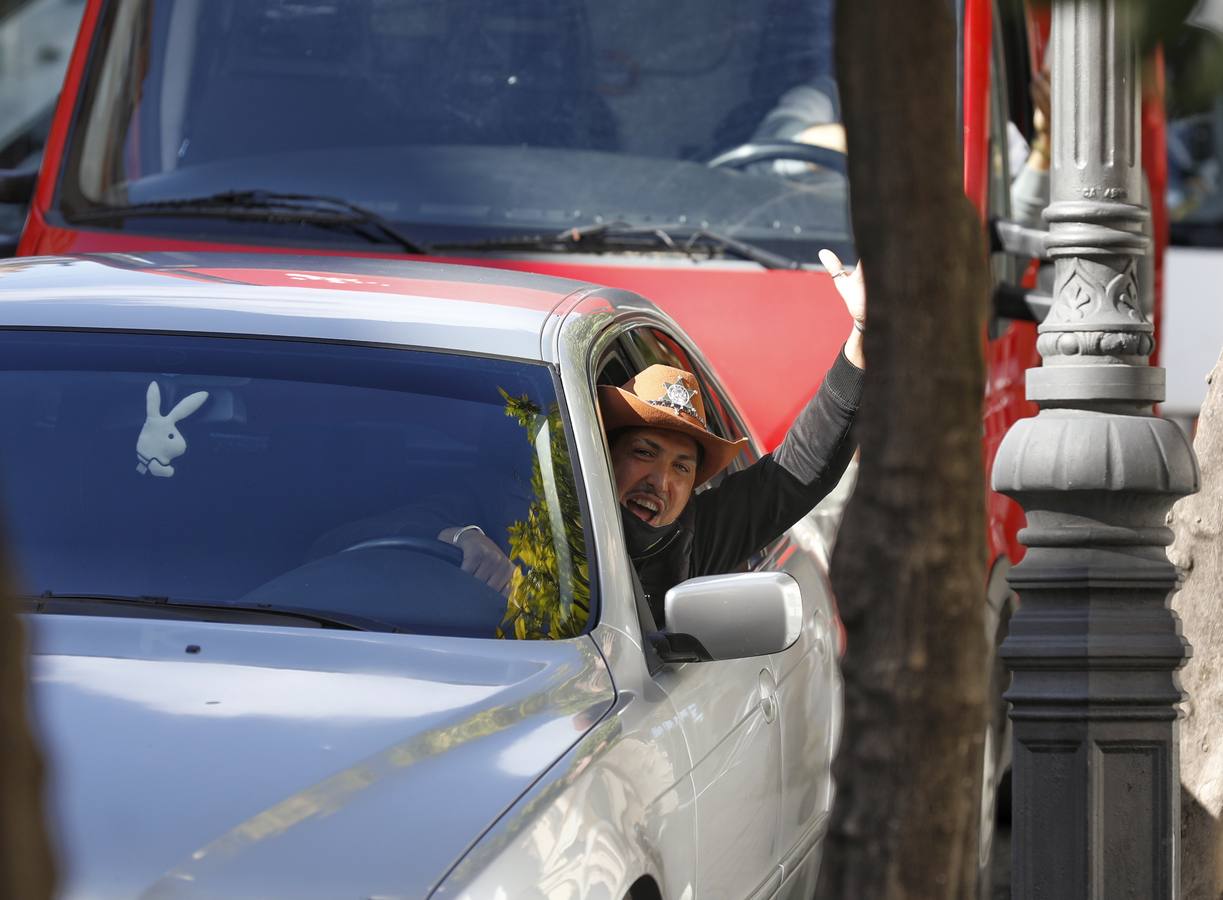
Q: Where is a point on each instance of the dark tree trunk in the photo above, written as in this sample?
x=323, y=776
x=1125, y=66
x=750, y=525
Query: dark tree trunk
x=909, y=567
x=26, y=869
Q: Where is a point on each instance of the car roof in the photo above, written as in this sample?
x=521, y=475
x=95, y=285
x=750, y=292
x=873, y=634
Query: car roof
x=369, y=300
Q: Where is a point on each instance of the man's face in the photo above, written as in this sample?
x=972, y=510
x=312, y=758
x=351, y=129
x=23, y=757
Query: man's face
x=655, y=471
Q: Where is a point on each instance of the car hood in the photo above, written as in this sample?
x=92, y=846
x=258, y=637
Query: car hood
x=214, y=760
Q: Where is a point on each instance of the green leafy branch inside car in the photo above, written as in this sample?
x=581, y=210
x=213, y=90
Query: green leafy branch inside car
x=550, y=590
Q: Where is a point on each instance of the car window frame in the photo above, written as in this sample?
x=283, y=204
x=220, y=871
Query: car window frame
x=605, y=349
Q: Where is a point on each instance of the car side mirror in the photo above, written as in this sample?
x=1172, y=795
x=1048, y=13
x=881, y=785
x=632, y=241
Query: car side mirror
x=1014, y=302
x=16, y=187
x=8, y=245
x=1011, y=301
x=718, y=617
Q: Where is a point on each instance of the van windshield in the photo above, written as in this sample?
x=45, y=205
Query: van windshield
x=468, y=120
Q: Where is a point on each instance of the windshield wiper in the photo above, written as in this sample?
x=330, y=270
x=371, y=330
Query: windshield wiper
x=607, y=237
x=49, y=602
x=268, y=206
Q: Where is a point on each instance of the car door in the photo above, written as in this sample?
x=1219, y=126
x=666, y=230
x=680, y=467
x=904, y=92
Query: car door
x=809, y=703
x=808, y=690
x=728, y=712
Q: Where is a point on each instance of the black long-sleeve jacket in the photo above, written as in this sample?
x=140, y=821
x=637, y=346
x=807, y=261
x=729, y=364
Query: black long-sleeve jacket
x=723, y=526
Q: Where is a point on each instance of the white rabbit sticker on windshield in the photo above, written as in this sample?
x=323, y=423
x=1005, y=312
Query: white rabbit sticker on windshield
x=160, y=441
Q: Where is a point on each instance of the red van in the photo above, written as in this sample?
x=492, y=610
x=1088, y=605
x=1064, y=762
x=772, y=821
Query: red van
x=691, y=153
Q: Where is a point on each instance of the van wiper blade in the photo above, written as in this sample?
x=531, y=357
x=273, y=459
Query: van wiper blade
x=608, y=237
x=268, y=206
x=49, y=602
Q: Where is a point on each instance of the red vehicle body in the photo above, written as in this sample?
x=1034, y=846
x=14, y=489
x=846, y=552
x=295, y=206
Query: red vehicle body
x=771, y=333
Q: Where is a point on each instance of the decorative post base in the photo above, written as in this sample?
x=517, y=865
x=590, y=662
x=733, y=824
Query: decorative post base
x=1094, y=649
x=1094, y=646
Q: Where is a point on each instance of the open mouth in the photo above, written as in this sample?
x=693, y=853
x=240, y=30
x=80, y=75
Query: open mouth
x=645, y=507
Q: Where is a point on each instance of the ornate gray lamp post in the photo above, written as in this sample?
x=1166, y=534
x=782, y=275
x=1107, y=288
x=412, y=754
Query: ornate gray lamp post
x=1094, y=647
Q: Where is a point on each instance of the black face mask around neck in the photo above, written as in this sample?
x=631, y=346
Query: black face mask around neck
x=642, y=537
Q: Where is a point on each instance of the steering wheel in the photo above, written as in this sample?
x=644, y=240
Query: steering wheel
x=429, y=546
x=766, y=151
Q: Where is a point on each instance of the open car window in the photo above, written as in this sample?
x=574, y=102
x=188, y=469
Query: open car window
x=650, y=346
x=290, y=475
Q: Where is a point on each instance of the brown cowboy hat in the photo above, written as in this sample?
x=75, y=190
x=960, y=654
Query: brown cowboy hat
x=665, y=397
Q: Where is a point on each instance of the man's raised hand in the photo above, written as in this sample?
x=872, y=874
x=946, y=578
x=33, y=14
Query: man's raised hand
x=852, y=287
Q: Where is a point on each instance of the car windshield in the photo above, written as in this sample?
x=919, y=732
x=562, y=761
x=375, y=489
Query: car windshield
x=468, y=120
x=149, y=471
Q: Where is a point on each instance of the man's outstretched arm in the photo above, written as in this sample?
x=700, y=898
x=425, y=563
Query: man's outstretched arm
x=751, y=508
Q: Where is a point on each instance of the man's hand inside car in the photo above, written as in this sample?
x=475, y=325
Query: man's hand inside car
x=482, y=558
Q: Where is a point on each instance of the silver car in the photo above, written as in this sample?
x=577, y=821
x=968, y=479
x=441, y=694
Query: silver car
x=258, y=673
